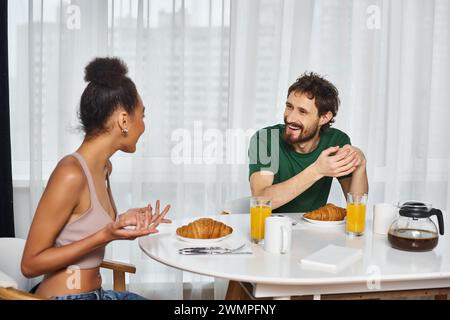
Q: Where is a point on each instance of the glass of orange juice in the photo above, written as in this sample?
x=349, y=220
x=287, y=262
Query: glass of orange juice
x=260, y=209
x=356, y=213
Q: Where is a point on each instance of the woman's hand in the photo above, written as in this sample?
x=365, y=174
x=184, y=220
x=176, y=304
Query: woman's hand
x=144, y=221
x=160, y=215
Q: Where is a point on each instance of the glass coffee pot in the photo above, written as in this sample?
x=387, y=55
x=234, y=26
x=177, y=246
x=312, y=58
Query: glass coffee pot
x=413, y=230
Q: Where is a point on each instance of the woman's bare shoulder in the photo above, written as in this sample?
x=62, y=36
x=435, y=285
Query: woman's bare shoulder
x=63, y=190
x=68, y=172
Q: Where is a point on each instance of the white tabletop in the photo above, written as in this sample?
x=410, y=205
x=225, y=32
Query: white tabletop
x=283, y=275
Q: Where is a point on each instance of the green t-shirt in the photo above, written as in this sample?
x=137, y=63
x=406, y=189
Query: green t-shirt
x=279, y=157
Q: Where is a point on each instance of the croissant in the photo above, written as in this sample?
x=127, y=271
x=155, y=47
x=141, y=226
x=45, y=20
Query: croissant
x=328, y=212
x=204, y=228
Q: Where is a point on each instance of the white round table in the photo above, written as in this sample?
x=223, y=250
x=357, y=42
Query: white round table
x=381, y=267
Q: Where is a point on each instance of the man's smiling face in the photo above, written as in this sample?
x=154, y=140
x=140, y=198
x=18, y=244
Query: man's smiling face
x=301, y=118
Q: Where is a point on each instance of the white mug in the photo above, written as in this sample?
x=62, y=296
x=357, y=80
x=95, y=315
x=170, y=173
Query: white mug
x=278, y=234
x=383, y=216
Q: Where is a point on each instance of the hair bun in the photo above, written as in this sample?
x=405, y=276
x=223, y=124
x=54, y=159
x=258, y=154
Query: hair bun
x=108, y=72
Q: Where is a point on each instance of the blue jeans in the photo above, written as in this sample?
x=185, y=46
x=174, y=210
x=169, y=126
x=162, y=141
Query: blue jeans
x=101, y=294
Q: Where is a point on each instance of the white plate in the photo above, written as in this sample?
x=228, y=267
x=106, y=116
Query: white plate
x=202, y=241
x=324, y=223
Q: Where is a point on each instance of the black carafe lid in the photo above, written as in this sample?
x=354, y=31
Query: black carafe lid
x=413, y=209
x=420, y=210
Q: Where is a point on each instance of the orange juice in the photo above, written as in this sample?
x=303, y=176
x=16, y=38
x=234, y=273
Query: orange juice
x=258, y=215
x=356, y=217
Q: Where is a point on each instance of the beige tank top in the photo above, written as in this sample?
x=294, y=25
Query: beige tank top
x=91, y=221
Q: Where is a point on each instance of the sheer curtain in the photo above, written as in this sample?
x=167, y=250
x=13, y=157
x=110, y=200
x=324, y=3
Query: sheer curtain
x=210, y=73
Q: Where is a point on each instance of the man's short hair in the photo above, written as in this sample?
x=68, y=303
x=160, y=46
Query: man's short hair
x=326, y=94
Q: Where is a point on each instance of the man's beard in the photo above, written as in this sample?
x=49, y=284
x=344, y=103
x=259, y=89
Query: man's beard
x=302, y=137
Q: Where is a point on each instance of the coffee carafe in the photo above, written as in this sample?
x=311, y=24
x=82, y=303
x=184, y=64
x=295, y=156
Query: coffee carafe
x=413, y=230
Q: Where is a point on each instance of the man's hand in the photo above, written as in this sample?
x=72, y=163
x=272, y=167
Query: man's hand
x=338, y=162
x=361, y=159
x=358, y=182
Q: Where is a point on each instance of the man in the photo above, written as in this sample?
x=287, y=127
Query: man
x=294, y=164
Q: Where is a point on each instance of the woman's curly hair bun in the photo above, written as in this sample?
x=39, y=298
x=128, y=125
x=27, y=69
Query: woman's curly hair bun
x=108, y=72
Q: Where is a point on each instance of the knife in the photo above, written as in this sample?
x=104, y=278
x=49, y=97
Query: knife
x=200, y=248
x=210, y=252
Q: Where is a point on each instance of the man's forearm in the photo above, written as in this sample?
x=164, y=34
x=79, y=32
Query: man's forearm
x=284, y=192
x=359, y=182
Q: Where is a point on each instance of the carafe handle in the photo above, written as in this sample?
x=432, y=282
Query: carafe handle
x=438, y=214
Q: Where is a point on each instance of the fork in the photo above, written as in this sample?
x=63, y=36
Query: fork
x=211, y=250
x=201, y=248
x=213, y=253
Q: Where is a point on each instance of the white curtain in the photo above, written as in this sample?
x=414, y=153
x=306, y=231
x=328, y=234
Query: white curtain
x=214, y=71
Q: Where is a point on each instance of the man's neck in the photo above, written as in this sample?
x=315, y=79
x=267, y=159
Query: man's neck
x=308, y=146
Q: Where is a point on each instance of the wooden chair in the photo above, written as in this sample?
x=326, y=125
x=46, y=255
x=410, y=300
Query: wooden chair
x=14, y=286
x=245, y=292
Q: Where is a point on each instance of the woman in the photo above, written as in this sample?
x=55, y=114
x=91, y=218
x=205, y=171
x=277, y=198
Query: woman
x=76, y=216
